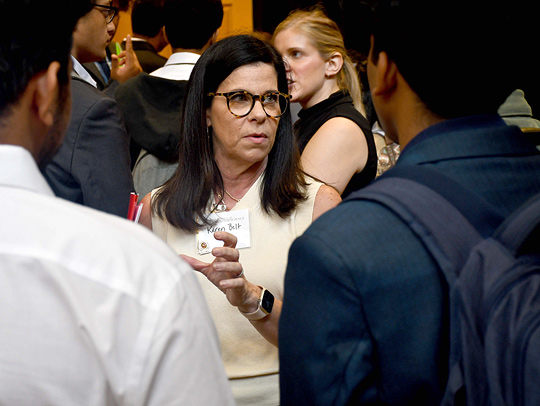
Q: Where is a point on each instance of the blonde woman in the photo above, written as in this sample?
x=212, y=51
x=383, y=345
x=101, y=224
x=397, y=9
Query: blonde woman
x=334, y=137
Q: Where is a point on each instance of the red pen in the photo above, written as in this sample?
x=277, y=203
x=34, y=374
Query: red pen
x=132, y=202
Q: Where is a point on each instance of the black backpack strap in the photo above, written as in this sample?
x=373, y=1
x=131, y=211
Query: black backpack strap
x=448, y=218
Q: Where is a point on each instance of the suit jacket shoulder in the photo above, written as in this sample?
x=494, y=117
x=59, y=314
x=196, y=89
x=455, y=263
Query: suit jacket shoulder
x=92, y=166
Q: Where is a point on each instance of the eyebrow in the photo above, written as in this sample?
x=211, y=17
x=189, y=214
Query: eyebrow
x=295, y=48
x=244, y=90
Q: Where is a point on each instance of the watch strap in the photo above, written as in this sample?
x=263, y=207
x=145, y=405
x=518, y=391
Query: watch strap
x=260, y=313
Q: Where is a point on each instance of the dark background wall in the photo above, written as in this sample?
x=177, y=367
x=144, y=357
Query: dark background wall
x=348, y=14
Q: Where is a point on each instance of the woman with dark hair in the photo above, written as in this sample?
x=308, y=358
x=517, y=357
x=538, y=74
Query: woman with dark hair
x=239, y=173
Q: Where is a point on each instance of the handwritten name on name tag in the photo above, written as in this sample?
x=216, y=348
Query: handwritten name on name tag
x=234, y=222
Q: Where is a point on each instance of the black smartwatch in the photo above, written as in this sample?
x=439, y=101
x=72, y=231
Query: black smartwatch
x=264, y=306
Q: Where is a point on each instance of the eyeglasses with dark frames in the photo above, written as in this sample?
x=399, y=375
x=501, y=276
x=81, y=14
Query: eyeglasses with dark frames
x=108, y=12
x=241, y=103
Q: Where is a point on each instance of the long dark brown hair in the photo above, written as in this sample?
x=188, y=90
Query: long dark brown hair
x=183, y=200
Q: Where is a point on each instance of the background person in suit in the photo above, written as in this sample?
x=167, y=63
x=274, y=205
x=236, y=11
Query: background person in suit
x=152, y=104
x=101, y=70
x=365, y=312
x=191, y=27
x=148, y=26
x=92, y=166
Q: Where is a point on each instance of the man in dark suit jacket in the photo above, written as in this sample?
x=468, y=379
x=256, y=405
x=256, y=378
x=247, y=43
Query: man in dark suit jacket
x=152, y=104
x=147, y=55
x=365, y=312
x=149, y=38
x=92, y=166
x=101, y=70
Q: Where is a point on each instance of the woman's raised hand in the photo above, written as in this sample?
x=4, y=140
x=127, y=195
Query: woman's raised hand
x=227, y=274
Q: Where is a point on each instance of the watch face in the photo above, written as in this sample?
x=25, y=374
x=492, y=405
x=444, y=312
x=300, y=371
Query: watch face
x=267, y=302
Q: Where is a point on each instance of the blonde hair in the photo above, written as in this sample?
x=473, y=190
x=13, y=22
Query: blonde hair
x=325, y=35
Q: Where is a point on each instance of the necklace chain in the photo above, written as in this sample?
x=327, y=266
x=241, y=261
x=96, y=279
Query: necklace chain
x=232, y=197
x=222, y=206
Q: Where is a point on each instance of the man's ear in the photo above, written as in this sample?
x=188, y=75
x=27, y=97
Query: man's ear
x=47, y=91
x=385, y=74
x=213, y=39
x=163, y=33
x=334, y=64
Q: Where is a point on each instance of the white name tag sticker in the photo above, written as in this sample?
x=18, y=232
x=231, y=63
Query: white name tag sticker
x=234, y=222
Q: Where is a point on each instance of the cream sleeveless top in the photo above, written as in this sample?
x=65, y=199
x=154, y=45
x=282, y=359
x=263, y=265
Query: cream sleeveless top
x=245, y=352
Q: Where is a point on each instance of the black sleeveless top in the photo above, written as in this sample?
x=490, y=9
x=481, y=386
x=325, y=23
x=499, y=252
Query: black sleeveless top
x=339, y=104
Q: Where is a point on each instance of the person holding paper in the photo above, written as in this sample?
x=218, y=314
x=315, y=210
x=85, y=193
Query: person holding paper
x=239, y=182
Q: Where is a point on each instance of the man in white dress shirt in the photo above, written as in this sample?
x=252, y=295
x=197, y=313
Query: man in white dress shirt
x=95, y=310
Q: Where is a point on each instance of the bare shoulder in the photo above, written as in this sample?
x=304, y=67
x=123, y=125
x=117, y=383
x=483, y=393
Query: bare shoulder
x=146, y=212
x=339, y=136
x=340, y=128
x=327, y=198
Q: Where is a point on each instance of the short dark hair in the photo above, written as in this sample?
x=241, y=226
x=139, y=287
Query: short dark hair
x=147, y=17
x=190, y=23
x=457, y=55
x=28, y=49
x=124, y=5
x=185, y=197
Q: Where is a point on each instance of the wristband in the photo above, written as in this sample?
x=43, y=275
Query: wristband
x=264, y=306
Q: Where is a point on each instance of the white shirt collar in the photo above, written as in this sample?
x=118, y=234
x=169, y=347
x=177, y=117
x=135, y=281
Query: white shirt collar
x=178, y=66
x=19, y=169
x=83, y=73
x=135, y=39
x=183, y=57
